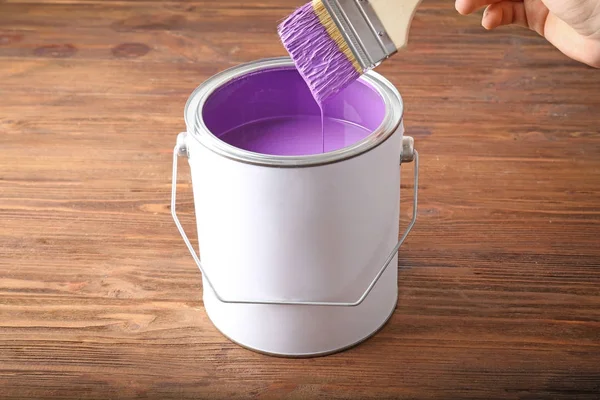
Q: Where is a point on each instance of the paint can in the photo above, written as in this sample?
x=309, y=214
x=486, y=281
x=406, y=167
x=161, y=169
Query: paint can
x=298, y=247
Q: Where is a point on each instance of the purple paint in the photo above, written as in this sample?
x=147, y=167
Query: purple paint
x=273, y=112
x=322, y=64
x=294, y=136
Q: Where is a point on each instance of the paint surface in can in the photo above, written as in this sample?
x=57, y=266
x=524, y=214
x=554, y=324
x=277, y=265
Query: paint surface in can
x=273, y=112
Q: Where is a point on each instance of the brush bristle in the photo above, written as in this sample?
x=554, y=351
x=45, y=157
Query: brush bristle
x=319, y=51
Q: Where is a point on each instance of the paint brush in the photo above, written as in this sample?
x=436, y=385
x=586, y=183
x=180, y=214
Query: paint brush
x=333, y=42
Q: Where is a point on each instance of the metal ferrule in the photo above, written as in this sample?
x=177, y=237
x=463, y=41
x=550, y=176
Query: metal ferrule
x=362, y=30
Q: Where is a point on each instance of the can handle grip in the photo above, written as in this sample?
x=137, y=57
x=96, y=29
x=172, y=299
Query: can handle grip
x=181, y=150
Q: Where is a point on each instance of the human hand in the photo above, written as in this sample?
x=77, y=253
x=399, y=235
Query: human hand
x=572, y=26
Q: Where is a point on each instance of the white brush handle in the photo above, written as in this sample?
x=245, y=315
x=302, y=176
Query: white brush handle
x=396, y=17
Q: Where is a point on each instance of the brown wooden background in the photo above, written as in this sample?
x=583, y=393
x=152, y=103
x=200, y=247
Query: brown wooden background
x=99, y=299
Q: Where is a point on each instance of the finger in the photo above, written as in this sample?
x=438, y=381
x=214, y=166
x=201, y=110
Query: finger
x=536, y=13
x=504, y=13
x=465, y=7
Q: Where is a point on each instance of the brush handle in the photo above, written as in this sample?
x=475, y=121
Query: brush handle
x=396, y=17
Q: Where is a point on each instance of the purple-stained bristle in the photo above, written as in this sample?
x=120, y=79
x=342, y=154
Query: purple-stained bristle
x=324, y=67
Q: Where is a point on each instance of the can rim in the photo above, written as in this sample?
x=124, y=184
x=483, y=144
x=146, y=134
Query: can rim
x=394, y=110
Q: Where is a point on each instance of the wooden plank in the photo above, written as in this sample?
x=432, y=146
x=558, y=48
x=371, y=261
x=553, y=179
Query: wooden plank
x=498, y=283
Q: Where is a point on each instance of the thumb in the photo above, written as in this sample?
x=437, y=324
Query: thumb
x=568, y=40
x=582, y=15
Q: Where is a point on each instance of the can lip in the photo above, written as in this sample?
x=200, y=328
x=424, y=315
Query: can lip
x=200, y=132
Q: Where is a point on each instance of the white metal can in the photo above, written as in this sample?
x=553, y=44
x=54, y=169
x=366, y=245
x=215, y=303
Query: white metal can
x=295, y=248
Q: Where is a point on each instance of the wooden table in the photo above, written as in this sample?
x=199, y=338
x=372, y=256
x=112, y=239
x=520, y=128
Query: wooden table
x=499, y=286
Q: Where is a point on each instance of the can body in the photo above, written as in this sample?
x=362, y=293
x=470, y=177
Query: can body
x=315, y=232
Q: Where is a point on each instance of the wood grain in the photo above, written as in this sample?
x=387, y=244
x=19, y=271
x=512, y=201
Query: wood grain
x=499, y=286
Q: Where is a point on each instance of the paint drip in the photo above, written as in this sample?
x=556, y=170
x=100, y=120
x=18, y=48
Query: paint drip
x=322, y=127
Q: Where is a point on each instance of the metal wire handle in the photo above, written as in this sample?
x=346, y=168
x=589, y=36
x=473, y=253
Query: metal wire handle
x=178, y=151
